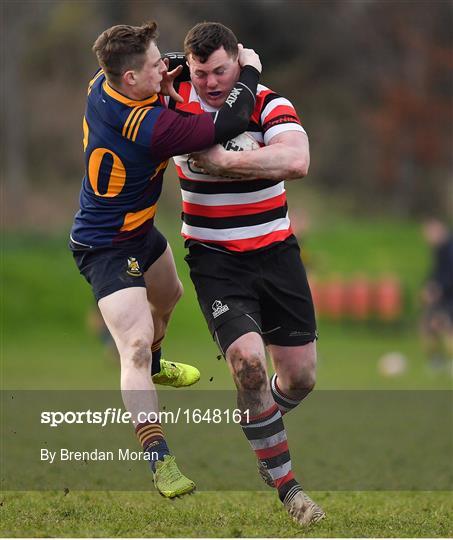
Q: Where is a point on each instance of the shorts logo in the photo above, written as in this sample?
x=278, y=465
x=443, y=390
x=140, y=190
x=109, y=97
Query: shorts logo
x=297, y=333
x=133, y=268
x=218, y=308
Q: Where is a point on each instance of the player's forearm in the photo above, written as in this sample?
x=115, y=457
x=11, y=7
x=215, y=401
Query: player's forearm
x=272, y=162
x=234, y=116
x=175, y=134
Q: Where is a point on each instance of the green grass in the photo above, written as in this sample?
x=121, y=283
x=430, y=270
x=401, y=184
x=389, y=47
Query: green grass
x=46, y=344
x=217, y=514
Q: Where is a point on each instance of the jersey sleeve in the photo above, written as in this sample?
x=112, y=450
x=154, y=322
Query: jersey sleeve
x=139, y=122
x=277, y=116
x=169, y=133
x=174, y=134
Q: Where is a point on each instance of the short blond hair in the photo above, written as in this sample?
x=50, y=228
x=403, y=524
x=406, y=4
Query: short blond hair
x=123, y=47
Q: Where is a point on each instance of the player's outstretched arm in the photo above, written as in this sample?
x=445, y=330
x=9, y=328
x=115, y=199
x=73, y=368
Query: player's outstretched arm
x=175, y=134
x=286, y=157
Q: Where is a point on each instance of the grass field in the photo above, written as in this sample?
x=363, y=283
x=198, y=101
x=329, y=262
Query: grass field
x=47, y=345
x=217, y=514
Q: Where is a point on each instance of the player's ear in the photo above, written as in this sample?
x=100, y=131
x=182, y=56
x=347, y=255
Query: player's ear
x=129, y=77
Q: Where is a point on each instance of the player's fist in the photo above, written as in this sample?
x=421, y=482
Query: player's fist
x=248, y=57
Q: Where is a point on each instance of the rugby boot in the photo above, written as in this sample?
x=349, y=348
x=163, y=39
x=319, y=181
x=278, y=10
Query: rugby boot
x=265, y=475
x=302, y=509
x=169, y=480
x=176, y=374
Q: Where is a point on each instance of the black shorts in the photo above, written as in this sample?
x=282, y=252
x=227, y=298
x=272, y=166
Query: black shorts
x=265, y=291
x=111, y=269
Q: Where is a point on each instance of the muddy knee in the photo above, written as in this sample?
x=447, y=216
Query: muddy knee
x=248, y=368
x=140, y=353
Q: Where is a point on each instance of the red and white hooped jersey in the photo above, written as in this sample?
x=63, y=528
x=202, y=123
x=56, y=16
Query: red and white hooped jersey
x=237, y=215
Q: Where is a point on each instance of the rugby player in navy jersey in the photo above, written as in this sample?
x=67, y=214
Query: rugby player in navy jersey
x=128, y=138
x=244, y=260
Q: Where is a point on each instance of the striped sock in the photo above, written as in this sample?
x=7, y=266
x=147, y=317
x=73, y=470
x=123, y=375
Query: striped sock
x=156, y=356
x=284, y=403
x=152, y=439
x=267, y=436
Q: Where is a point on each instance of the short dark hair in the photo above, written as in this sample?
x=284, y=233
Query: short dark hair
x=206, y=37
x=123, y=47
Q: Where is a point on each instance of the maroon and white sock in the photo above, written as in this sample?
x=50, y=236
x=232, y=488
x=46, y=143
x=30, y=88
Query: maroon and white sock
x=267, y=436
x=284, y=402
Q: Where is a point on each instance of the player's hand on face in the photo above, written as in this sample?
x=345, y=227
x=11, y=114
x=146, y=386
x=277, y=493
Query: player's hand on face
x=166, y=85
x=211, y=160
x=248, y=57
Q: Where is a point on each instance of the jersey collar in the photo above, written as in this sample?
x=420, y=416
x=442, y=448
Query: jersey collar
x=125, y=100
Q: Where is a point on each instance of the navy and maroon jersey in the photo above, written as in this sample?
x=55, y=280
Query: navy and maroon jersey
x=240, y=215
x=127, y=145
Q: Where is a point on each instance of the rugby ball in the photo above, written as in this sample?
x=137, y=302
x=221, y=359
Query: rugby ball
x=243, y=141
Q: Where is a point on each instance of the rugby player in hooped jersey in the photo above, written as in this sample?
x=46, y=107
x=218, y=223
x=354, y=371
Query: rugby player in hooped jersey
x=128, y=138
x=244, y=260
